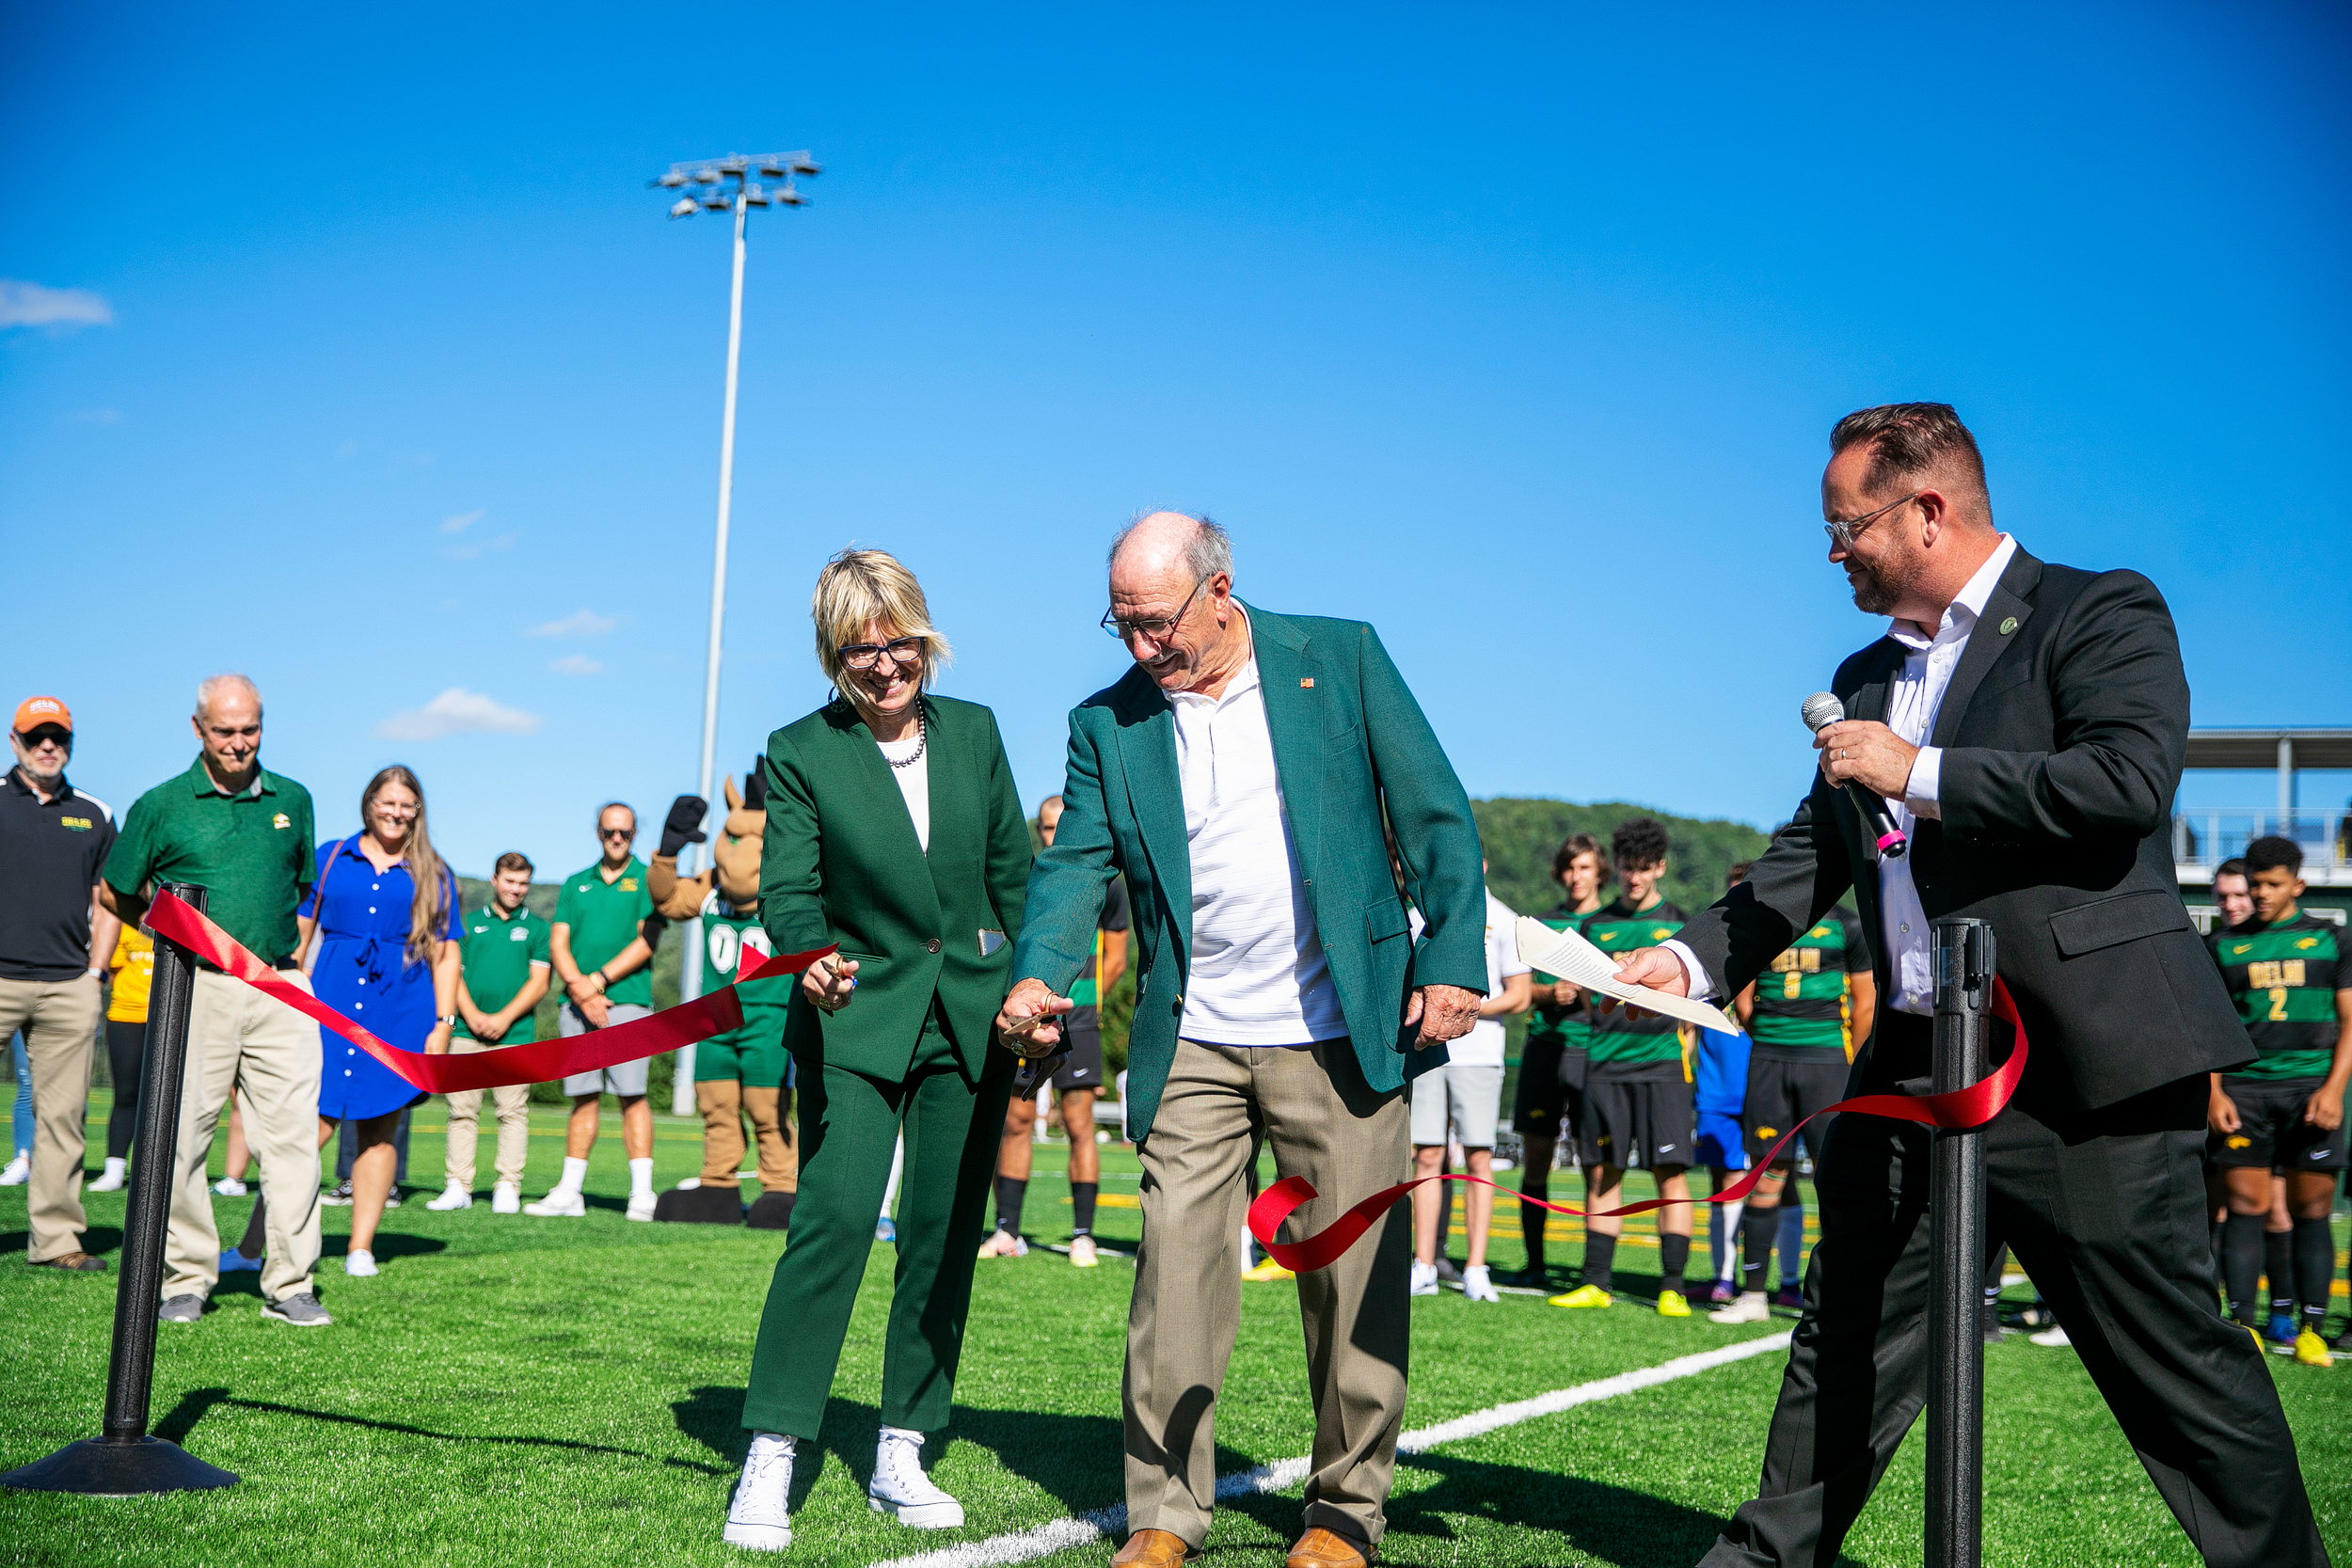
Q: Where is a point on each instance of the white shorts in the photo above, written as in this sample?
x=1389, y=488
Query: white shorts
x=621, y=1078
x=1469, y=1096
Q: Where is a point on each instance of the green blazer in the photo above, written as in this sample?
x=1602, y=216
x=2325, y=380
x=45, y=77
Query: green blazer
x=1348, y=738
x=840, y=864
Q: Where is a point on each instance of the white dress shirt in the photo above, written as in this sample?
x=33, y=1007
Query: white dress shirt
x=1258, y=975
x=1913, y=700
x=1483, y=1046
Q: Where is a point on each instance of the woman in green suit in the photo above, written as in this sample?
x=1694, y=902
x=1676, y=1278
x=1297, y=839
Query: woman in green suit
x=894, y=830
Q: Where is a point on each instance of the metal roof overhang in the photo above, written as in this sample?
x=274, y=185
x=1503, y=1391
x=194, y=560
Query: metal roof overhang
x=2251, y=748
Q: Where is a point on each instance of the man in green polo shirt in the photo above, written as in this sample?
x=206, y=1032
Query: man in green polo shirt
x=602, y=945
x=230, y=826
x=503, y=975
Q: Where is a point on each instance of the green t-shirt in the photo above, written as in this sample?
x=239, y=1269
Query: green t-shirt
x=606, y=917
x=2284, y=978
x=497, y=953
x=1570, y=1028
x=1804, y=999
x=1617, y=1040
x=252, y=850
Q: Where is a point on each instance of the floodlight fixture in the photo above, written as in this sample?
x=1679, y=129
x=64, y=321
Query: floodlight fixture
x=684, y=208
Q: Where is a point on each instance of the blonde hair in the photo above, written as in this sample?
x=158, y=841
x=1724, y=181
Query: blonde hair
x=858, y=587
x=428, y=906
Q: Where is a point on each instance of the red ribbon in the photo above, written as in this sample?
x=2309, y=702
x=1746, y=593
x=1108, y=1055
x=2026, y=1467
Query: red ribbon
x=1959, y=1110
x=535, y=1063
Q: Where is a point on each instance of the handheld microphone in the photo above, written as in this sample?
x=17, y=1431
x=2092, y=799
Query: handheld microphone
x=1821, y=710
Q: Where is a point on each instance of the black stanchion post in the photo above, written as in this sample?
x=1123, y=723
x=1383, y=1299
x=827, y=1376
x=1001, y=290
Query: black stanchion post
x=1965, y=959
x=126, y=1461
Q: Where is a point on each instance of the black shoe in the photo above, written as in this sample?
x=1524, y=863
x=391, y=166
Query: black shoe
x=1526, y=1279
x=74, y=1262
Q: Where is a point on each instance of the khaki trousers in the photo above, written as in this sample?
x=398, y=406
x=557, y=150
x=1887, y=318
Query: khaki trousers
x=60, y=1021
x=1327, y=1125
x=241, y=1041
x=512, y=1104
x=724, y=1102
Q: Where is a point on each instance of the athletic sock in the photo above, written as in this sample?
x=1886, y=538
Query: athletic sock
x=2212, y=1239
x=1674, y=1262
x=575, y=1174
x=1758, y=1229
x=2241, y=1262
x=1532, y=1219
x=1011, y=1191
x=2315, y=1269
x=1082, y=1208
x=2278, y=1271
x=1600, y=1258
x=256, y=1229
x=640, y=1177
x=1791, y=1213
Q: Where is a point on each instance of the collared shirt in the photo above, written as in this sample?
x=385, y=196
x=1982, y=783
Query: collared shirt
x=1259, y=975
x=50, y=852
x=605, y=918
x=252, y=849
x=499, y=952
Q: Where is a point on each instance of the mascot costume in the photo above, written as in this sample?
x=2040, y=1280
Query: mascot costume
x=744, y=1071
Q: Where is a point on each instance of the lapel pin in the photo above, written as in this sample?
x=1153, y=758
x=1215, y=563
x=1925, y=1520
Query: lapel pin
x=1306, y=681
x=2008, y=626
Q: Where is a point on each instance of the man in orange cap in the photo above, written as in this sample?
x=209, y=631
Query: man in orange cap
x=55, y=941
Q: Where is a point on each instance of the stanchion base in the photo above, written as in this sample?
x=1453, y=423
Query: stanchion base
x=97, y=1468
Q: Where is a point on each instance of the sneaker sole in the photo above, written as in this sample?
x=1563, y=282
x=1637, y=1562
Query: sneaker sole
x=921, y=1515
x=280, y=1317
x=759, y=1538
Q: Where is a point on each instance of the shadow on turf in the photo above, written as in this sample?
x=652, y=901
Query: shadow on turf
x=98, y=1241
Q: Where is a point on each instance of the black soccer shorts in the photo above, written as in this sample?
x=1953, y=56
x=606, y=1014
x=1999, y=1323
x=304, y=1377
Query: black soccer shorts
x=2271, y=1131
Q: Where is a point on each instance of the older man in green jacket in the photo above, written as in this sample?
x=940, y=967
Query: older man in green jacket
x=1237, y=776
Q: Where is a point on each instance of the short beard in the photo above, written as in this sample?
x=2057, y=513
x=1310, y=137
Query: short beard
x=1881, y=589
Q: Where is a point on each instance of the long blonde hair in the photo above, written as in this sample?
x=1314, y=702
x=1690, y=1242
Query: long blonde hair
x=428, y=906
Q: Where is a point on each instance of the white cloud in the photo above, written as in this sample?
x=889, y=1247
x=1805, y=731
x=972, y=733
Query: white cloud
x=576, y=664
x=457, y=711
x=475, y=552
x=464, y=520
x=24, y=304
x=582, y=622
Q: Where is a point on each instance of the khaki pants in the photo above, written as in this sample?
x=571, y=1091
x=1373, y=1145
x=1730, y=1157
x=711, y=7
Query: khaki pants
x=512, y=1103
x=1327, y=1125
x=724, y=1102
x=241, y=1041
x=61, y=1023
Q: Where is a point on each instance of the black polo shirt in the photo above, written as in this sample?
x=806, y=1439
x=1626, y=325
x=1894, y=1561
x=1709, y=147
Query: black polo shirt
x=50, y=852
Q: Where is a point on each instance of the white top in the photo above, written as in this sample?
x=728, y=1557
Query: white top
x=1258, y=973
x=1483, y=1045
x=915, y=781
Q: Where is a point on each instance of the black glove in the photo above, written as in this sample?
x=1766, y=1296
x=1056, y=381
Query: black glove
x=684, y=826
x=1035, y=1073
x=756, y=787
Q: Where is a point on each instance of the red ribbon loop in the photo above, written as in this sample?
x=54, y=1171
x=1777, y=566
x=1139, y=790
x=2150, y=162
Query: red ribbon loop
x=536, y=1063
x=1959, y=1110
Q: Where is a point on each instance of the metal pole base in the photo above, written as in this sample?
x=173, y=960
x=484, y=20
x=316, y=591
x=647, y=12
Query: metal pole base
x=97, y=1468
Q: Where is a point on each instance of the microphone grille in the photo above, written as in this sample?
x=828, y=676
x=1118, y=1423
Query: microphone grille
x=1823, y=710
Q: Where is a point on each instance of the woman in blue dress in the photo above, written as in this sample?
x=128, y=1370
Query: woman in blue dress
x=384, y=910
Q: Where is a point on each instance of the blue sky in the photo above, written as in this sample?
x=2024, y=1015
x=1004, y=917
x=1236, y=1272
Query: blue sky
x=1515, y=332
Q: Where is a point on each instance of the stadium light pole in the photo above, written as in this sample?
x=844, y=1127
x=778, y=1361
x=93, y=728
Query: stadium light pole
x=715, y=185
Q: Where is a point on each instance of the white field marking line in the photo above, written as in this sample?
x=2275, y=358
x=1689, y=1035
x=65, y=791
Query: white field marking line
x=1023, y=1545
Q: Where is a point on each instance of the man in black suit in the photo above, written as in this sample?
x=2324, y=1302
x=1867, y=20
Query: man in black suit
x=2027, y=723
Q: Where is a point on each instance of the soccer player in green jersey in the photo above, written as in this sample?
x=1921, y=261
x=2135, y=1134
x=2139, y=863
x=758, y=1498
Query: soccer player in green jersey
x=2284, y=1108
x=1638, y=1110
x=1552, y=1061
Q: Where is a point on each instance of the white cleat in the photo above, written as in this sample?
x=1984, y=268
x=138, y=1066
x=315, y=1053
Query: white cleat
x=1753, y=1307
x=1082, y=1253
x=359, y=1263
x=2054, y=1335
x=507, y=1198
x=640, y=1206
x=758, y=1517
x=561, y=1204
x=452, y=1196
x=900, y=1486
x=110, y=1182
x=1478, y=1284
x=1424, y=1278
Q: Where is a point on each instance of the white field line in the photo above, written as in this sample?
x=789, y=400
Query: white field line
x=1022, y=1546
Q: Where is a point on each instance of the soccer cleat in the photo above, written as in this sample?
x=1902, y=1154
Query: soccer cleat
x=507, y=1198
x=1722, y=1293
x=899, y=1487
x=2311, y=1350
x=1753, y=1306
x=110, y=1181
x=18, y=1171
x=1267, y=1270
x=759, y=1516
x=299, y=1309
x=1082, y=1253
x=1585, y=1295
x=560, y=1203
x=452, y=1196
x=359, y=1263
x=1671, y=1304
x=2280, y=1335
x=1529, y=1278
x=2051, y=1336
x=1478, y=1284
x=885, y=1231
x=640, y=1206
x=1790, y=1297
x=228, y=1186
x=1424, y=1278
x=232, y=1261
x=1000, y=1244
x=181, y=1309
x=337, y=1197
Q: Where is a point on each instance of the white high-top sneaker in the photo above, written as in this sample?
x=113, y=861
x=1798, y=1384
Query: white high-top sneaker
x=452, y=1196
x=901, y=1487
x=758, y=1517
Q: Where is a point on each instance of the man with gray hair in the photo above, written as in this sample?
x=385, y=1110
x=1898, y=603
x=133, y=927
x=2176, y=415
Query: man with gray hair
x=244, y=834
x=1238, y=776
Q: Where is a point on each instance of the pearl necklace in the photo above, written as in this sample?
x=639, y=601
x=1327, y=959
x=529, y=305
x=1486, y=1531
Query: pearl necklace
x=922, y=740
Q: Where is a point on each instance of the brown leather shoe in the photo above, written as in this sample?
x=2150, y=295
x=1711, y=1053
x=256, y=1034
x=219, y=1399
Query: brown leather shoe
x=78, y=1262
x=1323, y=1548
x=1153, y=1548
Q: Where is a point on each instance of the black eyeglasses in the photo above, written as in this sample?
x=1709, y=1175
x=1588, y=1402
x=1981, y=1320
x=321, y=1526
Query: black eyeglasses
x=1843, y=533
x=616, y=832
x=903, y=651
x=1156, y=627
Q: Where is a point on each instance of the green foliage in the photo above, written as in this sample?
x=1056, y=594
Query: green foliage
x=1520, y=836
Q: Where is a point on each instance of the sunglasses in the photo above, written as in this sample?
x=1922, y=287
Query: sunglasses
x=616, y=832
x=41, y=734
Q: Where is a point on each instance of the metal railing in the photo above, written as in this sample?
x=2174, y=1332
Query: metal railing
x=2206, y=838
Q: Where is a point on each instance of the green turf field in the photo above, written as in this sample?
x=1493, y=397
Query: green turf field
x=516, y=1391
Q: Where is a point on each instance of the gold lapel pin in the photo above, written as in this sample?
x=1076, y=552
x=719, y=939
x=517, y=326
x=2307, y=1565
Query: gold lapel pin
x=1306, y=681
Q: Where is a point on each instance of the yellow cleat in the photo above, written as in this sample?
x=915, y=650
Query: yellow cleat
x=1672, y=1304
x=1585, y=1295
x=1267, y=1269
x=2258, y=1340
x=2311, y=1350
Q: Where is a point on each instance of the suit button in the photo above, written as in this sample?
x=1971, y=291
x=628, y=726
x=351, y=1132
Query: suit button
x=931, y=946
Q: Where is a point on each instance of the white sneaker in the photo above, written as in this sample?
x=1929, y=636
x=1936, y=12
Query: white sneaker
x=1478, y=1284
x=758, y=1517
x=452, y=1196
x=228, y=1186
x=1424, y=1278
x=560, y=1203
x=507, y=1198
x=641, y=1205
x=1082, y=1253
x=900, y=1486
x=1753, y=1307
x=111, y=1182
x=689, y=1184
x=19, y=1172
x=359, y=1263
x=2054, y=1335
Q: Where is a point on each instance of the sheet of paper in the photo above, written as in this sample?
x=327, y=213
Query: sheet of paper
x=1569, y=956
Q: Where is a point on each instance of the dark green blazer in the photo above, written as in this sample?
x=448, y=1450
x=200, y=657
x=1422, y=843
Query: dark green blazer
x=841, y=863
x=1347, y=737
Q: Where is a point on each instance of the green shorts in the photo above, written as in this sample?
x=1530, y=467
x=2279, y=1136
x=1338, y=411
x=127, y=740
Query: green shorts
x=752, y=1053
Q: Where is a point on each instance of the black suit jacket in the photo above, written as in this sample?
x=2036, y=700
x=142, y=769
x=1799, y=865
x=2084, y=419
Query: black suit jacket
x=2064, y=729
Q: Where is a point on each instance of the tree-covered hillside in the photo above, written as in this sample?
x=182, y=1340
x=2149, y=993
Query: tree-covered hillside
x=1521, y=834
